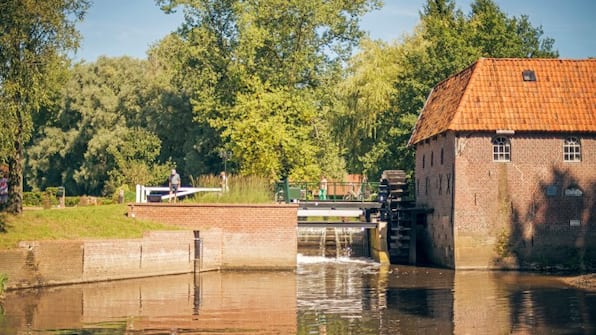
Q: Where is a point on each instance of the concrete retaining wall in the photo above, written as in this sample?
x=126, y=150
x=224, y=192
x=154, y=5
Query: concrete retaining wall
x=232, y=237
x=44, y=263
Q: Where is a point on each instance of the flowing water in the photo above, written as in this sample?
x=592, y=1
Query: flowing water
x=323, y=296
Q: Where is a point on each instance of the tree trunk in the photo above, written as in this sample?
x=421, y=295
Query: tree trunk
x=15, y=173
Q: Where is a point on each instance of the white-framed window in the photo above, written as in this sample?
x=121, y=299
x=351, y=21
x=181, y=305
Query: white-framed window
x=572, y=149
x=501, y=149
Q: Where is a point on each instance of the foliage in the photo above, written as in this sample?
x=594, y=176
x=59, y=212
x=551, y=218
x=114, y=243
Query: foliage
x=403, y=74
x=106, y=221
x=364, y=104
x=3, y=281
x=102, y=138
x=36, y=37
x=241, y=189
x=262, y=89
x=257, y=75
x=39, y=198
x=503, y=247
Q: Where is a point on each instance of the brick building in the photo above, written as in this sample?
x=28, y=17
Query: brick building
x=506, y=157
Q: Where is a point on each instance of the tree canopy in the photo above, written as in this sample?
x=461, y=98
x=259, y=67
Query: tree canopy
x=35, y=39
x=445, y=41
x=276, y=88
x=264, y=71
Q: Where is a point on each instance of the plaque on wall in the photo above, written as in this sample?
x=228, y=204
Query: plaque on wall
x=573, y=192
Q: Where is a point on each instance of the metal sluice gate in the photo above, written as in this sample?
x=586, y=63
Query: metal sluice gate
x=391, y=210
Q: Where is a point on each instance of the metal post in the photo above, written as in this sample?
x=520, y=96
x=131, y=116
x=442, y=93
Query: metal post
x=138, y=193
x=287, y=190
x=198, y=251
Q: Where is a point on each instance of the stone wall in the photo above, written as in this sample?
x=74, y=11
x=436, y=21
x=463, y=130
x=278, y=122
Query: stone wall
x=253, y=236
x=44, y=263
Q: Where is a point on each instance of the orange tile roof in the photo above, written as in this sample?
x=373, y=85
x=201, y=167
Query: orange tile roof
x=491, y=94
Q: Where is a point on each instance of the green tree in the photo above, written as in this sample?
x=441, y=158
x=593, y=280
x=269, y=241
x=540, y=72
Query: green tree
x=35, y=40
x=135, y=154
x=494, y=34
x=445, y=42
x=263, y=70
x=103, y=135
x=364, y=103
x=180, y=78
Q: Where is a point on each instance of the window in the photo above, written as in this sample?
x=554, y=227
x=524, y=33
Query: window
x=417, y=186
x=442, y=156
x=432, y=158
x=529, y=75
x=572, y=150
x=501, y=149
x=423, y=161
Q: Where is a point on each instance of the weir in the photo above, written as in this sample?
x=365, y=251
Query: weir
x=333, y=242
x=336, y=228
x=385, y=228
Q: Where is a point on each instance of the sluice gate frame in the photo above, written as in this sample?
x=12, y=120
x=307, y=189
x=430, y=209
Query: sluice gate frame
x=392, y=212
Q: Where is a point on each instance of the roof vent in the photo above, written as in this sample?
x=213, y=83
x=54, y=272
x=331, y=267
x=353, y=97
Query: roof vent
x=529, y=75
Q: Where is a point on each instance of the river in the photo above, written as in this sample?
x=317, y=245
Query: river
x=322, y=296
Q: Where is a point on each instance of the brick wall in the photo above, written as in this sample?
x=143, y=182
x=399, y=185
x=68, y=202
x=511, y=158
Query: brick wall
x=434, y=187
x=232, y=236
x=259, y=236
x=518, y=206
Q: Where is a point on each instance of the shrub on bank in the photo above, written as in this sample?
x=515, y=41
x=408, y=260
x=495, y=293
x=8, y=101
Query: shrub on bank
x=3, y=280
x=240, y=189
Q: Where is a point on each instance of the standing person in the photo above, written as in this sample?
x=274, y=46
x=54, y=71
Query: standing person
x=3, y=189
x=323, y=188
x=223, y=182
x=174, y=183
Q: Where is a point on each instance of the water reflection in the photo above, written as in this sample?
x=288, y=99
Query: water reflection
x=323, y=296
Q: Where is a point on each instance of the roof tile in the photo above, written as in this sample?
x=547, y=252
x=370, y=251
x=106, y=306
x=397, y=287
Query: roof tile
x=491, y=94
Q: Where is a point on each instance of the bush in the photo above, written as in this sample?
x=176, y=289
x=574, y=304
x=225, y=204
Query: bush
x=33, y=199
x=129, y=196
x=47, y=199
x=71, y=201
x=3, y=280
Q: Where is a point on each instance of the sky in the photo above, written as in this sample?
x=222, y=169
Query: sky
x=129, y=27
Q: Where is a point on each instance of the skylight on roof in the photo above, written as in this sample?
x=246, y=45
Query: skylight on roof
x=529, y=75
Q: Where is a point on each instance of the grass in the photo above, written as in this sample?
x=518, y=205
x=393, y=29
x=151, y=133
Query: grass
x=110, y=221
x=241, y=189
x=106, y=222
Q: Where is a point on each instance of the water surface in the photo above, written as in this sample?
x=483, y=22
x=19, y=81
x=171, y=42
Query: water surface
x=323, y=296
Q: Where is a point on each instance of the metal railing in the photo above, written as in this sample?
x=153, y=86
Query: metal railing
x=143, y=192
x=336, y=191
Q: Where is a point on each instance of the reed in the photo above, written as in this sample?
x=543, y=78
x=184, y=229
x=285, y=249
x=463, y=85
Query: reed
x=241, y=189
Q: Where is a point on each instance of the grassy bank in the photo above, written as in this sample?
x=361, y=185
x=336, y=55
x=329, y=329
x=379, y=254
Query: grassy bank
x=107, y=221
x=110, y=221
